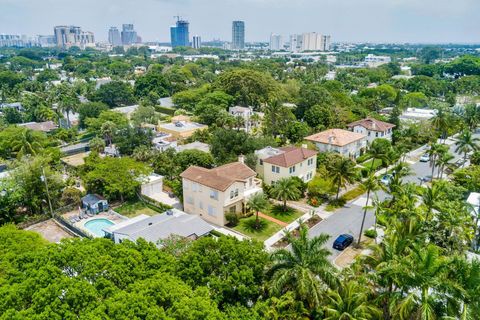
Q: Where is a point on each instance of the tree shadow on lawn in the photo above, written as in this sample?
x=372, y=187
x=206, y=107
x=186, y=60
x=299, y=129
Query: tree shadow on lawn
x=277, y=211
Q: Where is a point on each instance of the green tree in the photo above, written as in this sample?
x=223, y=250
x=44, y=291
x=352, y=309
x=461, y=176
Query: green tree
x=285, y=189
x=342, y=171
x=116, y=177
x=466, y=143
x=305, y=269
x=371, y=184
x=115, y=94
x=152, y=81
x=89, y=110
x=97, y=144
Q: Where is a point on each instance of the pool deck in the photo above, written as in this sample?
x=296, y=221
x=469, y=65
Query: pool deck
x=109, y=215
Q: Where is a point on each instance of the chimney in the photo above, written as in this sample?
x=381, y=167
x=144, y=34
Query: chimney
x=241, y=158
x=374, y=125
x=330, y=139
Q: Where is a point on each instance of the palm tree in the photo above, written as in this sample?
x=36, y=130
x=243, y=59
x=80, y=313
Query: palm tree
x=435, y=151
x=285, y=189
x=258, y=202
x=342, y=171
x=26, y=143
x=430, y=197
x=378, y=150
x=371, y=185
x=424, y=284
x=471, y=117
x=97, y=144
x=466, y=143
x=442, y=162
x=350, y=302
x=304, y=270
x=441, y=122
x=67, y=100
x=107, y=130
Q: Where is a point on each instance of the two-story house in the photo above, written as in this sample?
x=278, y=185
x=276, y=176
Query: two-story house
x=372, y=128
x=210, y=193
x=250, y=118
x=348, y=144
x=274, y=164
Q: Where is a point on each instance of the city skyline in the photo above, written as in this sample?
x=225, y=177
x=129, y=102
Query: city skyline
x=371, y=21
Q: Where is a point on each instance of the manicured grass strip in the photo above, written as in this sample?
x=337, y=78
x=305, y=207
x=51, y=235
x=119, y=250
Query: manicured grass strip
x=261, y=235
x=276, y=211
x=134, y=208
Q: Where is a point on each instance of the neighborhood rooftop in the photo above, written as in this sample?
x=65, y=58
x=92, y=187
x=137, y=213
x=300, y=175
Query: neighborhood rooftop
x=289, y=156
x=338, y=137
x=219, y=178
x=372, y=124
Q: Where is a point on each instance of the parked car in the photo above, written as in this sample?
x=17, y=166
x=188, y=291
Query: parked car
x=386, y=179
x=342, y=241
x=425, y=178
x=425, y=157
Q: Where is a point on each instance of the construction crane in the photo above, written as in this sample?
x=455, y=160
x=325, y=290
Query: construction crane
x=178, y=17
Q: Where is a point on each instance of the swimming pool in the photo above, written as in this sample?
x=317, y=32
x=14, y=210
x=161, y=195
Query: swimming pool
x=95, y=226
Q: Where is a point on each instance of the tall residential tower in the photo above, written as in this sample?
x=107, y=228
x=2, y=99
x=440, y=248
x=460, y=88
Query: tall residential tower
x=129, y=35
x=114, y=37
x=179, y=34
x=238, y=35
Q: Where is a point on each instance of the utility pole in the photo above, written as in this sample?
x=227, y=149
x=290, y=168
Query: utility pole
x=44, y=179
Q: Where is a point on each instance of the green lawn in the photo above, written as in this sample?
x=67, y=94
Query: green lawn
x=288, y=216
x=134, y=208
x=261, y=235
x=376, y=164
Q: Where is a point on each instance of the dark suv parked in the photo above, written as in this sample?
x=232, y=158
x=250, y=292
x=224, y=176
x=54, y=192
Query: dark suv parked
x=342, y=241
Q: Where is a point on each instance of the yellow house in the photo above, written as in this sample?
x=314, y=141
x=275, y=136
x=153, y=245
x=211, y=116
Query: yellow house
x=274, y=164
x=210, y=193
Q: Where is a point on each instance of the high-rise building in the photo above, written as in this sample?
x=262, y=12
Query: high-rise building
x=11, y=40
x=179, y=34
x=128, y=35
x=296, y=42
x=45, y=41
x=196, y=42
x=313, y=41
x=276, y=42
x=67, y=36
x=238, y=35
x=114, y=37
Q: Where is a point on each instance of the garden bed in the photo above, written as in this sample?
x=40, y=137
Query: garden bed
x=283, y=243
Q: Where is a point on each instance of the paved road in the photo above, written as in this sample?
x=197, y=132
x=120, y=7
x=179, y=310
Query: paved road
x=349, y=218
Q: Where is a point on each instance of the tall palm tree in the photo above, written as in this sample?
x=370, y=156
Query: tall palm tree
x=442, y=162
x=305, y=269
x=285, y=189
x=435, y=151
x=466, y=143
x=258, y=202
x=430, y=197
x=378, y=151
x=342, y=171
x=26, y=143
x=471, y=117
x=371, y=185
x=441, y=122
x=350, y=302
x=107, y=130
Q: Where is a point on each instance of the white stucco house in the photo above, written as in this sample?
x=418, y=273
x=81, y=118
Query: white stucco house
x=347, y=143
x=372, y=128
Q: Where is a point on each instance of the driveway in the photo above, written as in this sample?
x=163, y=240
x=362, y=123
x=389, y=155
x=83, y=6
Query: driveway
x=349, y=218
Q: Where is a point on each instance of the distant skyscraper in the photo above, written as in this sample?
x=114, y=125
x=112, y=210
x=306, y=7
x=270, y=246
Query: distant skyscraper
x=276, y=42
x=114, y=37
x=179, y=34
x=295, y=42
x=67, y=36
x=196, y=42
x=238, y=35
x=313, y=41
x=129, y=35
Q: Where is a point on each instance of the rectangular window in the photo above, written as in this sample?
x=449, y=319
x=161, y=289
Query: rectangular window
x=232, y=194
x=211, y=211
x=213, y=194
x=261, y=162
x=185, y=185
x=236, y=193
x=190, y=200
x=275, y=169
x=376, y=134
x=369, y=133
x=291, y=169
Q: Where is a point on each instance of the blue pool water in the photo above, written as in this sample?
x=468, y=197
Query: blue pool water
x=95, y=226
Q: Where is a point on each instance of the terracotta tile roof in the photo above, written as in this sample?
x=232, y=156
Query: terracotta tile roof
x=337, y=137
x=372, y=124
x=219, y=178
x=290, y=156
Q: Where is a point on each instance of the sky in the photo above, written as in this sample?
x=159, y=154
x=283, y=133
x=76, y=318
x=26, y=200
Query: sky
x=399, y=21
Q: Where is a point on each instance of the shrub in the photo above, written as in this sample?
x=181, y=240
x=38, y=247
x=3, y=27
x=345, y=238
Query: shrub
x=232, y=219
x=302, y=186
x=371, y=233
x=337, y=203
x=252, y=226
